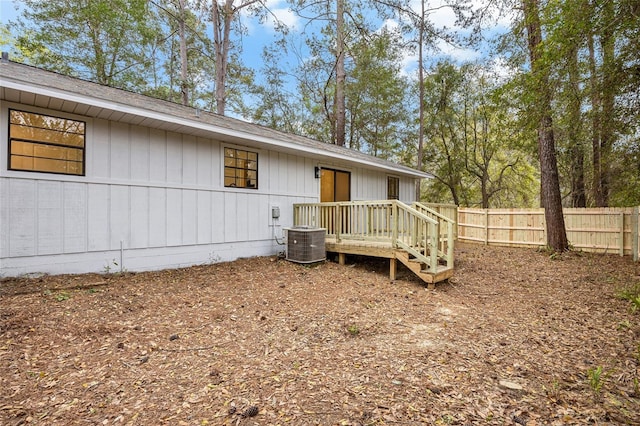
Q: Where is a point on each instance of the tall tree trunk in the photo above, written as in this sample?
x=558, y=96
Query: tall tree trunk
x=595, y=123
x=341, y=75
x=578, y=198
x=182, y=34
x=222, y=15
x=549, y=179
x=607, y=41
x=420, y=159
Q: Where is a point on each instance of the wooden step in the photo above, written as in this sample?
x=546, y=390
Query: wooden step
x=441, y=273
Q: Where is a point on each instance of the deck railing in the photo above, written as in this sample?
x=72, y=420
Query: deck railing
x=447, y=231
x=405, y=227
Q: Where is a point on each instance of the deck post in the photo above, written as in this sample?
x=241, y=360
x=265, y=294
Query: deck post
x=338, y=212
x=393, y=268
x=450, y=244
x=342, y=258
x=394, y=225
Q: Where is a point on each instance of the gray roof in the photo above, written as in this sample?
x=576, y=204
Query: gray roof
x=33, y=86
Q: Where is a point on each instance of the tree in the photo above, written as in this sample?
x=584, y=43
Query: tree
x=476, y=152
x=341, y=75
x=224, y=14
x=488, y=145
x=100, y=40
x=444, y=156
x=183, y=55
x=549, y=178
x=333, y=48
x=277, y=108
x=377, y=96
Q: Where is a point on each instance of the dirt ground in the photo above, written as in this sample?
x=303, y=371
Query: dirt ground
x=516, y=337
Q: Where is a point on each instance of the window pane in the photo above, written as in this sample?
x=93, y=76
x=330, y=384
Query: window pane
x=343, y=184
x=22, y=148
x=327, y=186
x=22, y=163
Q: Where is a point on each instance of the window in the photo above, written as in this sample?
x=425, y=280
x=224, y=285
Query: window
x=42, y=143
x=393, y=188
x=240, y=168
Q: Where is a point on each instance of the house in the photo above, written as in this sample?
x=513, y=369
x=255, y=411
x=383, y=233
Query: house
x=95, y=179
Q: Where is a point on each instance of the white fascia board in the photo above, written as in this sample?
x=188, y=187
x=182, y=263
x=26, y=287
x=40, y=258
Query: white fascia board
x=197, y=124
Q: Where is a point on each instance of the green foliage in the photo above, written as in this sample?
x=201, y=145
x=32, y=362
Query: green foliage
x=276, y=107
x=62, y=296
x=631, y=293
x=476, y=153
x=596, y=379
x=376, y=96
x=102, y=40
x=353, y=330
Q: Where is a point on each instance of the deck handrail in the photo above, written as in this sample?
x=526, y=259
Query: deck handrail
x=404, y=226
x=447, y=227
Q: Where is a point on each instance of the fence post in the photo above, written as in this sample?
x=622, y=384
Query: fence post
x=622, y=233
x=544, y=227
x=486, y=227
x=634, y=233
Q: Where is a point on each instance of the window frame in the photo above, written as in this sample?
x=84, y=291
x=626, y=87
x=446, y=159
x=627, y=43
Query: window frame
x=236, y=168
x=11, y=140
x=391, y=179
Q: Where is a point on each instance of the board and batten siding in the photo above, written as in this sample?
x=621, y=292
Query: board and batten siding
x=153, y=199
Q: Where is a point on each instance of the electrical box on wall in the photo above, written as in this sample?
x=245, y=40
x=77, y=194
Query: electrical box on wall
x=275, y=212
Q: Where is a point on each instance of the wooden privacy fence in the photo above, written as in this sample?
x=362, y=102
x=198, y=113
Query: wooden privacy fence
x=604, y=230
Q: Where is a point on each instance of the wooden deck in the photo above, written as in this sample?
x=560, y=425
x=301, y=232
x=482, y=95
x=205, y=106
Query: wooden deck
x=419, y=238
x=386, y=250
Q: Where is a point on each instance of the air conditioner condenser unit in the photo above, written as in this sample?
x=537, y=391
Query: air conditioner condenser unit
x=305, y=245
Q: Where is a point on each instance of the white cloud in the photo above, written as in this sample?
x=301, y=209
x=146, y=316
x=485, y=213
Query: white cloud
x=390, y=25
x=458, y=53
x=285, y=16
x=280, y=11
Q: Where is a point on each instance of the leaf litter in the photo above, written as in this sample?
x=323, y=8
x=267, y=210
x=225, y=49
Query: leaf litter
x=515, y=337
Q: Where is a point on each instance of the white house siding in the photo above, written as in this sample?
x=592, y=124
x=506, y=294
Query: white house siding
x=156, y=194
x=153, y=199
